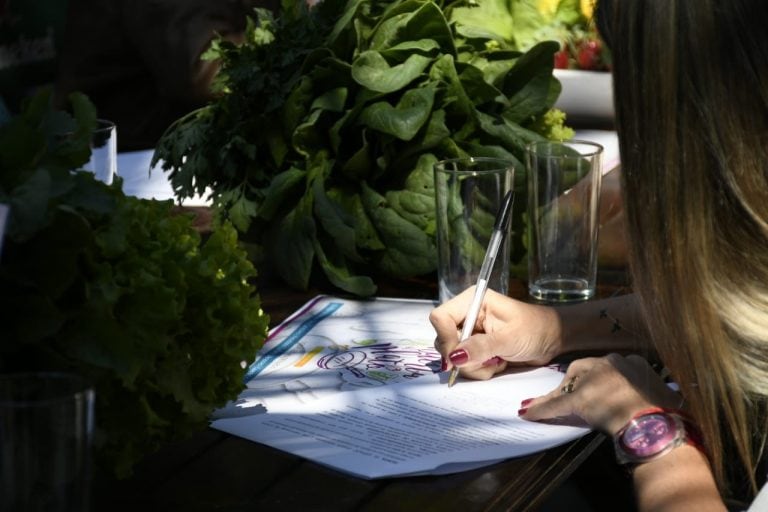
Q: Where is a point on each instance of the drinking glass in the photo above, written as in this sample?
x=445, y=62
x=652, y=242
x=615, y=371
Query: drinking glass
x=563, y=196
x=46, y=432
x=103, y=162
x=468, y=195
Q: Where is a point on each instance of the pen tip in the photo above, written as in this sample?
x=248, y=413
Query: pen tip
x=452, y=377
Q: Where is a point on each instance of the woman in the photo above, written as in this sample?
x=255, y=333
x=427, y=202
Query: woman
x=691, y=96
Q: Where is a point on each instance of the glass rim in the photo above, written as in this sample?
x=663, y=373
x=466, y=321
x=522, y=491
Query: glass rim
x=80, y=386
x=597, y=148
x=103, y=125
x=506, y=166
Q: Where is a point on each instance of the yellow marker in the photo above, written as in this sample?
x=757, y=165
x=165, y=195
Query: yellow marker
x=308, y=357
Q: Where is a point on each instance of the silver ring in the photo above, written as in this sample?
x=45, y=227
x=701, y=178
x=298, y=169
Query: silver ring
x=568, y=388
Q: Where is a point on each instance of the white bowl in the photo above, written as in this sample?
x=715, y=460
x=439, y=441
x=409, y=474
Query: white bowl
x=586, y=95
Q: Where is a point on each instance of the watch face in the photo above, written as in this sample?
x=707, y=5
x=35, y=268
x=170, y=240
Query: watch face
x=649, y=435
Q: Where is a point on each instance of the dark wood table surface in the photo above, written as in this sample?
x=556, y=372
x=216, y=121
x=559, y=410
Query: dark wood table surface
x=217, y=471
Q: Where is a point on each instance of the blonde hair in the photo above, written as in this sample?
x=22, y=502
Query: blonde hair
x=691, y=94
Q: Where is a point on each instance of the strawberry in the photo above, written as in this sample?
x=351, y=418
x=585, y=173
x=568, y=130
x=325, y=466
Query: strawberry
x=588, y=56
x=562, y=59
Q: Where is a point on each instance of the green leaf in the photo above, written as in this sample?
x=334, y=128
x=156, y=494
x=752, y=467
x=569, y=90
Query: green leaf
x=400, y=52
x=282, y=187
x=365, y=233
x=291, y=244
x=371, y=70
x=337, y=223
x=412, y=21
x=308, y=136
x=332, y=100
x=29, y=203
x=409, y=251
x=336, y=270
x=416, y=203
x=455, y=98
x=475, y=86
x=21, y=145
x=489, y=19
x=530, y=84
x=435, y=134
x=511, y=135
x=406, y=119
x=359, y=167
x=240, y=210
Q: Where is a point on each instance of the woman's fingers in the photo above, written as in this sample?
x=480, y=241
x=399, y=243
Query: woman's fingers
x=447, y=319
x=603, y=392
x=505, y=328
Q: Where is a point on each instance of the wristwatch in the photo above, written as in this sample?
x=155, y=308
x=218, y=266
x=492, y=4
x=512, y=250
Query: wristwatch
x=651, y=434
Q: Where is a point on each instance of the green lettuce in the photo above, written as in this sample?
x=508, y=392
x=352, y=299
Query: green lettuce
x=120, y=290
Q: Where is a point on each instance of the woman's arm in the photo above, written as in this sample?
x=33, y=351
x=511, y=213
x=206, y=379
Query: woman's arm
x=608, y=325
x=624, y=398
x=680, y=480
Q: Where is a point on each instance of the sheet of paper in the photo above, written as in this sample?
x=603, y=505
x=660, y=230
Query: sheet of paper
x=414, y=427
x=355, y=385
x=331, y=345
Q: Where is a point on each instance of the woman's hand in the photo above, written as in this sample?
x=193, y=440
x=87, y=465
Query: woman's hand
x=604, y=392
x=506, y=331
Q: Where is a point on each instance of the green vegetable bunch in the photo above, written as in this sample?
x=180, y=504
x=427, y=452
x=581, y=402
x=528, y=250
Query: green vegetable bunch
x=321, y=143
x=118, y=289
x=524, y=23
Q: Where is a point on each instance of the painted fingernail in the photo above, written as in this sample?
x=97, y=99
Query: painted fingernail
x=522, y=411
x=494, y=361
x=459, y=357
x=526, y=402
x=443, y=364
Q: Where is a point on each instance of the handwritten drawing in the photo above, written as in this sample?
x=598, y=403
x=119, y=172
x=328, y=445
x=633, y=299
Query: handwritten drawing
x=339, y=345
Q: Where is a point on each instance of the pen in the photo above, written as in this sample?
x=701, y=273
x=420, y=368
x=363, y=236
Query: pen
x=499, y=230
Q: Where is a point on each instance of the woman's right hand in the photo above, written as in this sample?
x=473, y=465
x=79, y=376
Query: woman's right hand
x=507, y=331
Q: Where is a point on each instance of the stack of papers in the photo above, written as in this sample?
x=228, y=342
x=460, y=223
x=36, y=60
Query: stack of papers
x=355, y=385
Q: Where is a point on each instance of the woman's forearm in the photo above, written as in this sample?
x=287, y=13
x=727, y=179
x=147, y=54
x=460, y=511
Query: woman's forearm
x=607, y=325
x=680, y=480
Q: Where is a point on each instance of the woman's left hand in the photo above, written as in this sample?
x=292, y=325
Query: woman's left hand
x=605, y=392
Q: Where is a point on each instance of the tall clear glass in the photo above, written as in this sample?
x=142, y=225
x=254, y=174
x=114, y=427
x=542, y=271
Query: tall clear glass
x=46, y=433
x=468, y=195
x=564, y=181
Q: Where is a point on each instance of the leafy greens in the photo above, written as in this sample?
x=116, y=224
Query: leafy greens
x=120, y=290
x=321, y=143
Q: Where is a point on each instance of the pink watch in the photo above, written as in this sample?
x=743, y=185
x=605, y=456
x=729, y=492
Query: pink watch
x=651, y=434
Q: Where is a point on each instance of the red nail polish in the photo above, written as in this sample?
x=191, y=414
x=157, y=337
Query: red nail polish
x=443, y=364
x=459, y=357
x=526, y=402
x=522, y=411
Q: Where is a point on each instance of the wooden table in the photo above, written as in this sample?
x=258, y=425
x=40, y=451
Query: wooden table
x=217, y=471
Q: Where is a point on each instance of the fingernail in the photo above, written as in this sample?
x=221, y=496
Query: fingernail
x=522, y=411
x=459, y=357
x=443, y=364
x=526, y=402
x=494, y=361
